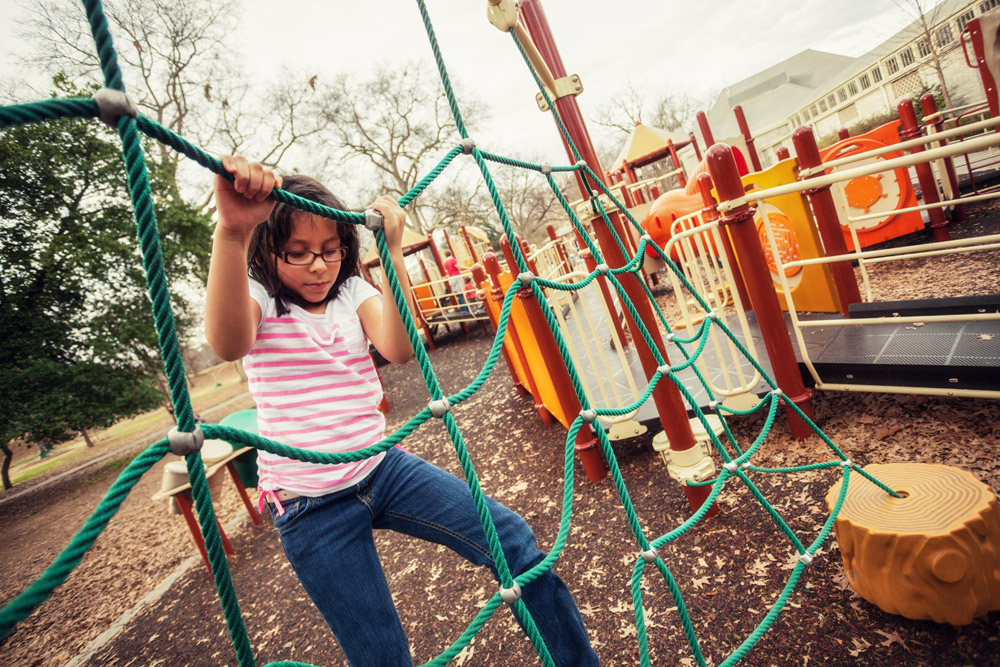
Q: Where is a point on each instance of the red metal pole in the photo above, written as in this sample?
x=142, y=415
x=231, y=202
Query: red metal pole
x=677, y=162
x=739, y=222
x=782, y=153
x=741, y=121
x=929, y=107
x=928, y=184
x=694, y=142
x=670, y=406
x=706, y=130
x=710, y=214
x=586, y=446
x=827, y=220
x=843, y=133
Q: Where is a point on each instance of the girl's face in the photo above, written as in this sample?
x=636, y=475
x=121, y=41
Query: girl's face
x=311, y=281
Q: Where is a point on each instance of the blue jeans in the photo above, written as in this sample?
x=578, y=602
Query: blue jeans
x=329, y=542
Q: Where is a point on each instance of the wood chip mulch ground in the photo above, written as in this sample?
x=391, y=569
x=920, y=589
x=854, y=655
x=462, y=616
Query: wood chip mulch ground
x=730, y=569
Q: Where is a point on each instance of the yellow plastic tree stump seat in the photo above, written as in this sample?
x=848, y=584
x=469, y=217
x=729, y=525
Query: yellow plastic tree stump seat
x=932, y=555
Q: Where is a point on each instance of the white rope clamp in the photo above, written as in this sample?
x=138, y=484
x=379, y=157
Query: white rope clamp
x=546, y=168
x=713, y=405
x=183, y=443
x=439, y=408
x=777, y=392
x=806, y=559
x=650, y=555
x=373, y=220
x=512, y=594
x=588, y=416
x=112, y=104
x=663, y=370
x=467, y=145
x=602, y=269
x=581, y=163
x=732, y=466
x=525, y=277
x=847, y=463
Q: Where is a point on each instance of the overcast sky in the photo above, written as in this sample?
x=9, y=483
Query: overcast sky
x=659, y=46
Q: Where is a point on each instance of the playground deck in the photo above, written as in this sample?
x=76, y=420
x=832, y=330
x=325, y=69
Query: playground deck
x=944, y=355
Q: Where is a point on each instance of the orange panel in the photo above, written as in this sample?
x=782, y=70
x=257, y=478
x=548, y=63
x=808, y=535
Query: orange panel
x=876, y=193
x=533, y=354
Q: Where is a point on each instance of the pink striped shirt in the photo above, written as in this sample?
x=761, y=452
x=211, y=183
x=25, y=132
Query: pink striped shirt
x=316, y=388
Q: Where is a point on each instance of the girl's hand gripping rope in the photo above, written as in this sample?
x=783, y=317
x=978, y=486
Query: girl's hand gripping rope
x=244, y=203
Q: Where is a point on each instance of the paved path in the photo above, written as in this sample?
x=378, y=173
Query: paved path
x=109, y=455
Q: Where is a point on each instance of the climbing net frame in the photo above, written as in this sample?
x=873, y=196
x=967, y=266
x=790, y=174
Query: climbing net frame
x=113, y=107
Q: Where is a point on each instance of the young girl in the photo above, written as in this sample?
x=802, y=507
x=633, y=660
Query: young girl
x=300, y=322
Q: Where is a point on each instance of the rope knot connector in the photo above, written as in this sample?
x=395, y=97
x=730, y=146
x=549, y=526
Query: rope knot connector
x=112, y=104
x=713, y=405
x=545, y=168
x=732, y=466
x=183, y=443
x=374, y=221
x=439, y=408
x=588, y=416
x=778, y=392
x=806, y=559
x=512, y=594
x=847, y=463
x=602, y=269
x=647, y=238
x=525, y=277
x=467, y=145
x=649, y=555
x=663, y=370
x=581, y=164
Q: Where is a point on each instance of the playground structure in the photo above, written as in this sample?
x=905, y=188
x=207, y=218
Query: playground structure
x=437, y=305
x=689, y=458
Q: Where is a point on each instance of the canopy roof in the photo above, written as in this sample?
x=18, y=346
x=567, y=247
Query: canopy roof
x=412, y=242
x=647, y=143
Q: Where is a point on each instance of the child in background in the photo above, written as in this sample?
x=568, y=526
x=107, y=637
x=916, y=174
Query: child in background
x=300, y=321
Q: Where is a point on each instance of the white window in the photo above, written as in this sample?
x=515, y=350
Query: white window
x=988, y=5
x=906, y=55
x=866, y=83
x=831, y=100
x=876, y=75
x=892, y=65
x=964, y=19
x=943, y=35
x=842, y=94
x=822, y=105
x=923, y=48
x=852, y=88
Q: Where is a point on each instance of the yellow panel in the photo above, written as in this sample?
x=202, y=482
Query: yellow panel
x=797, y=237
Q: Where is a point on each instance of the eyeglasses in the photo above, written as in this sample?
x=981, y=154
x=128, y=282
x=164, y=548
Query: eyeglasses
x=307, y=257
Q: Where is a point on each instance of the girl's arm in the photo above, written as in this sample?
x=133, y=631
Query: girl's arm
x=231, y=316
x=382, y=324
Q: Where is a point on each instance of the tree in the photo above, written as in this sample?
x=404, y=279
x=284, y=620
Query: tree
x=180, y=72
x=630, y=106
x=399, y=122
x=77, y=342
x=924, y=18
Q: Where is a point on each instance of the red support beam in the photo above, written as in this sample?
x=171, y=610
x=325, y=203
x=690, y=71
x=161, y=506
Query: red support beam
x=928, y=184
x=741, y=121
x=827, y=221
x=929, y=107
x=706, y=130
x=739, y=223
x=670, y=406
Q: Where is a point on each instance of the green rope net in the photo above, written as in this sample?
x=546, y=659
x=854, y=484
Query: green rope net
x=736, y=460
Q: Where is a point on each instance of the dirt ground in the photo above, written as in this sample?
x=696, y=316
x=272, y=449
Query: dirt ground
x=730, y=569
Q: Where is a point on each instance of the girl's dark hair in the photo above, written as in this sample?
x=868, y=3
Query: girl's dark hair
x=270, y=237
